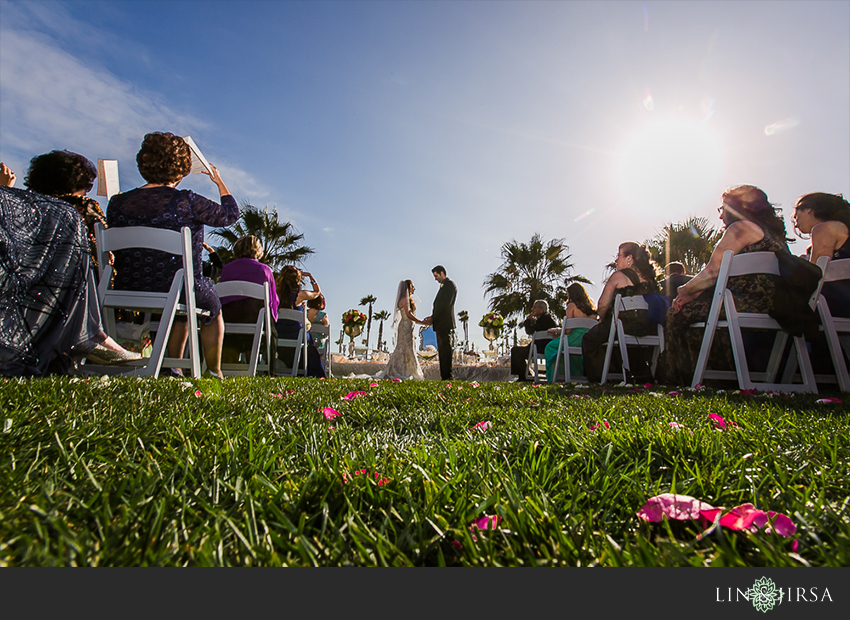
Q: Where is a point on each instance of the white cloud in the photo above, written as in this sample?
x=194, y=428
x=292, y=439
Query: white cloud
x=51, y=100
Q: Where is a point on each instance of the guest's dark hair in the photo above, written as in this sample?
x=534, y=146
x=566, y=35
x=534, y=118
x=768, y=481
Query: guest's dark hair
x=164, y=158
x=288, y=281
x=60, y=173
x=747, y=202
x=439, y=269
x=317, y=303
x=641, y=261
x=826, y=207
x=578, y=296
x=248, y=247
x=674, y=268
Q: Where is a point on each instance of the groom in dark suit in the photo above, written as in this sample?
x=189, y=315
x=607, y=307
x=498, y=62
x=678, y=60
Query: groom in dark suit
x=442, y=320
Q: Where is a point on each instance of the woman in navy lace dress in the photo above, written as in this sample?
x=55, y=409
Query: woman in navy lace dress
x=164, y=160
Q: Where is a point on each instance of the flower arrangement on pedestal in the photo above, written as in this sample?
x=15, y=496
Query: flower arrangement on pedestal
x=492, y=322
x=352, y=324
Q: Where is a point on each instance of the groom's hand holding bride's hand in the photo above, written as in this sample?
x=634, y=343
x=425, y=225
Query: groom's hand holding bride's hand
x=427, y=320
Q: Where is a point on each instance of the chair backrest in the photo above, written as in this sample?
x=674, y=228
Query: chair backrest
x=633, y=302
x=130, y=237
x=241, y=288
x=579, y=323
x=835, y=269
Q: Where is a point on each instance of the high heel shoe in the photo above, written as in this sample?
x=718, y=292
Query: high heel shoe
x=102, y=355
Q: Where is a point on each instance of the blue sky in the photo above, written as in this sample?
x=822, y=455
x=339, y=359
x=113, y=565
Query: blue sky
x=398, y=135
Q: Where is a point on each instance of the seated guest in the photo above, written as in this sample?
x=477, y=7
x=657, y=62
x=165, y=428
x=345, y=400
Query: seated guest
x=292, y=296
x=538, y=320
x=316, y=314
x=751, y=224
x=235, y=309
x=579, y=307
x=635, y=275
x=49, y=311
x=68, y=176
x=164, y=160
x=826, y=217
x=676, y=277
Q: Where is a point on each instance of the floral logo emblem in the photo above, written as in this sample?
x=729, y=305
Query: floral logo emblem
x=764, y=594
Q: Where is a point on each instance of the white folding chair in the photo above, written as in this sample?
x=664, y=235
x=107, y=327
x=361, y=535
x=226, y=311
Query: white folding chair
x=167, y=304
x=617, y=336
x=564, y=350
x=298, y=344
x=532, y=366
x=836, y=329
x=737, y=265
x=325, y=349
x=261, y=329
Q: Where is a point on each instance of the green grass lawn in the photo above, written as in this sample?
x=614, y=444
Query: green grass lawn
x=123, y=472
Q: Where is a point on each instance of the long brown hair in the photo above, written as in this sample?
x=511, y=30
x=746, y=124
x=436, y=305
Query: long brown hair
x=288, y=281
x=579, y=297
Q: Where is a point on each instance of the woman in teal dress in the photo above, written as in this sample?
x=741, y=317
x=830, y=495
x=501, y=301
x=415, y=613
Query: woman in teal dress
x=579, y=307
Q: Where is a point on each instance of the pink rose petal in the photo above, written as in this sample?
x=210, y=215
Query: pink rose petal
x=198, y=393
x=676, y=425
x=678, y=507
x=396, y=380
x=474, y=384
x=330, y=413
x=373, y=385
x=744, y=517
x=353, y=395
x=596, y=426
x=456, y=544
x=827, y=401
x=482, y=426
x=484, y=523
x=674, y=393
x=781, y=524
x=720, y=422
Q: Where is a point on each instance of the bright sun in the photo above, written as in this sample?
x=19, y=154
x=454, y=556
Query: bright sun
x=669, y=169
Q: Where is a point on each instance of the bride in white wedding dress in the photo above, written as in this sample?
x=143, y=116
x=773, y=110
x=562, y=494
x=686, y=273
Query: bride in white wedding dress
x=404, y=363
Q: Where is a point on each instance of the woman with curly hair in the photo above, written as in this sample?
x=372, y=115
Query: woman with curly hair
x=68, y=176
x=635, y=275
x=164, y=160
x=751, y=224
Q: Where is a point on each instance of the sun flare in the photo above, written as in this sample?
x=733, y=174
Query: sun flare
x=669, y=168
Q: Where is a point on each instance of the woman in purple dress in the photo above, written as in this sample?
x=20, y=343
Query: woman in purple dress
x=246, y=267
x=164, y=160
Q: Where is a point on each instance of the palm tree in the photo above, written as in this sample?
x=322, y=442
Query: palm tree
x=368, y=301
x=690, y=243
x=529, y=272
x=281, y=243
x=463, y=315
x=381, y=316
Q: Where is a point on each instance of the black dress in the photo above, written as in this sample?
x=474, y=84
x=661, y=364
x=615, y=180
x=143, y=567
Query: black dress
x=752, y=293
x=635, y=323
x=172, y=209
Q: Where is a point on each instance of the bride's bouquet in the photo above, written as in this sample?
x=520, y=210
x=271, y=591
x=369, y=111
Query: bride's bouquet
x=492, y=320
